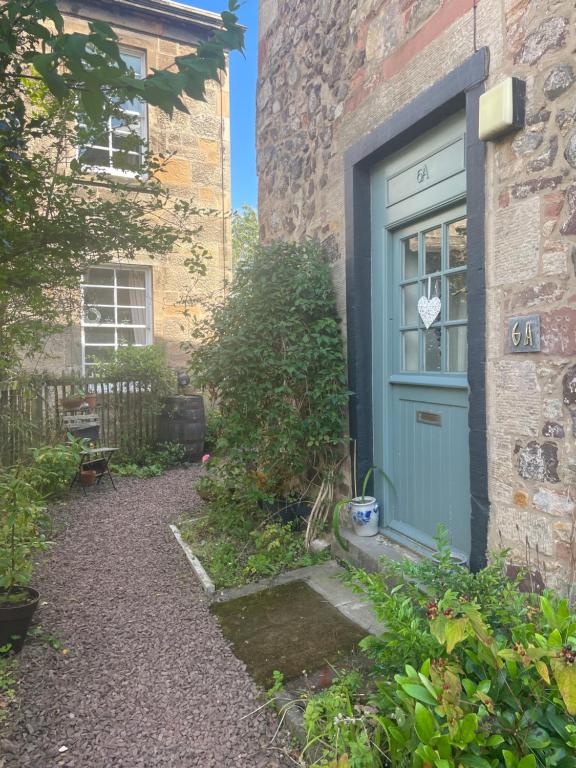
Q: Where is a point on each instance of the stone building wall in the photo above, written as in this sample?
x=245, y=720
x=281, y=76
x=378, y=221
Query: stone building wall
x=329, y=73
x=199, y=171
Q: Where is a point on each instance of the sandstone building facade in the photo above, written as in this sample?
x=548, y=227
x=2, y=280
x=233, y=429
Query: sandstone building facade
x=368, y=114
x=139, y=302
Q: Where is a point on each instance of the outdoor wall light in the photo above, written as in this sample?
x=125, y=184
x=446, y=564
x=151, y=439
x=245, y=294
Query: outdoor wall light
x=502, y=109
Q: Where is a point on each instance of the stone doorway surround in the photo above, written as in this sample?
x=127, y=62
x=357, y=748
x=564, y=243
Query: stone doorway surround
x=461, y=89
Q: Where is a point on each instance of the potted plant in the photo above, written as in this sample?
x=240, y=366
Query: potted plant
x=20, y=507
x=364, y=511
x=88, y=477
x=74, y=399
x=90, y=400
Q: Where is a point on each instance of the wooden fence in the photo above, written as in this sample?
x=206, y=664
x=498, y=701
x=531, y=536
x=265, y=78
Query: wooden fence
x=35, y=413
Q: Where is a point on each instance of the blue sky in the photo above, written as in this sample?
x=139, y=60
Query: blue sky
x=243, y=73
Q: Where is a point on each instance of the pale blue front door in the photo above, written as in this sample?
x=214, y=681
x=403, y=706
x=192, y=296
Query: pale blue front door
x=420, y=386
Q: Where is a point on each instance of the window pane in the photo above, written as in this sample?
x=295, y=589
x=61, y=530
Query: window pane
x=127, y=140
x=132, y=336
x=410, y=304
x=99, y=315
x=97, y=276
x=457, y=302
x=132, y=60
x=410, y=351
x=128, y=297
x=433, y=349
x=132, y=316
x=98, y=354
x=410, y=247
x=99, y=335
x=433, y=250
x=131, y=278
x=91, y=156
x=99, y=295
x=126, y=161
x=457, y=244
x=457, y=348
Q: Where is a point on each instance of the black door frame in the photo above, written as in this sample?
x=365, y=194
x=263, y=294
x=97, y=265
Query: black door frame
x=461, y=89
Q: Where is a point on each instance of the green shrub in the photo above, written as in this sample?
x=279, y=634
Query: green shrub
x=469, y=673
x=151, y=461
x=271, y=355
x=53, y=467
x=21, y=511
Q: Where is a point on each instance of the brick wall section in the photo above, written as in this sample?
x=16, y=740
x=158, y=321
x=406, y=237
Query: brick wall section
x=194, y=173
x=329, y=73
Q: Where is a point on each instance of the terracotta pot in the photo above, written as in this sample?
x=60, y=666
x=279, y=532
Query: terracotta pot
x=71, y=403
x=88, y=477
x=91, y=400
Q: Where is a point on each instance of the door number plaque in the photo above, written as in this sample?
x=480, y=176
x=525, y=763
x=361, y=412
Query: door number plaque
x=524, y=334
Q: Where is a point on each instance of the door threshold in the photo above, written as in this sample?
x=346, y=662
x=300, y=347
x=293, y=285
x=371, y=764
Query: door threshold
x=366, y=551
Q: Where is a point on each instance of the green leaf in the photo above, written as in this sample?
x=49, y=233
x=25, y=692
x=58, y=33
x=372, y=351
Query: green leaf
x=419, y=693
x=424, y=723
x=92, y=103
x=474, y=761
x=455, y=631
x=529, y=761
x=509, y=758
x=467, y=728
x=565, y=676
x=548, y=612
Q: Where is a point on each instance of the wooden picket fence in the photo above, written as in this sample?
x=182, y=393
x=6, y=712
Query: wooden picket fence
x=32, y=413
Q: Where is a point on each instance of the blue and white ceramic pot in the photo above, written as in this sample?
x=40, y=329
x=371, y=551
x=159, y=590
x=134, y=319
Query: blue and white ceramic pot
x=365, y=515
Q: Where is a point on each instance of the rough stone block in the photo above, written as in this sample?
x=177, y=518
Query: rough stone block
x=539, y=462
x=550, y=35
x=553, y=503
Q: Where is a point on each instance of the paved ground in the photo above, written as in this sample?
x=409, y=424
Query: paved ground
x=148, y=681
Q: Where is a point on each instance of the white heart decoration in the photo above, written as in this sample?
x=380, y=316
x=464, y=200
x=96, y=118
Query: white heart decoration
x=429, y=309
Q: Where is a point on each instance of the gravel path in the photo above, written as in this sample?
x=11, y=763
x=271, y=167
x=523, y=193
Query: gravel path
x=147, y=679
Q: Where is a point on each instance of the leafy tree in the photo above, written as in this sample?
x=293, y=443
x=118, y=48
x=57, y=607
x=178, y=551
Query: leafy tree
x=55, y=220
x=245, y=232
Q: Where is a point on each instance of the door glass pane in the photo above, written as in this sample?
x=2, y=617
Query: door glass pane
x=410, y=304
x=457, y=348
x=431, y=289
x=433, y=349
x=457, y=252
x=433, y=251
x=410, y=250
x=457, y=297
x=99, y=295
x=410, y=351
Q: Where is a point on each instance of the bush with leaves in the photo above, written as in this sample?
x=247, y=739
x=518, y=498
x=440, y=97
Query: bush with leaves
x=469, y=673
x=271, y=355
x=141, y=364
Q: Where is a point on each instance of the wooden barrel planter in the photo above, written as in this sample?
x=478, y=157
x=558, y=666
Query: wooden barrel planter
x=182, y=420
